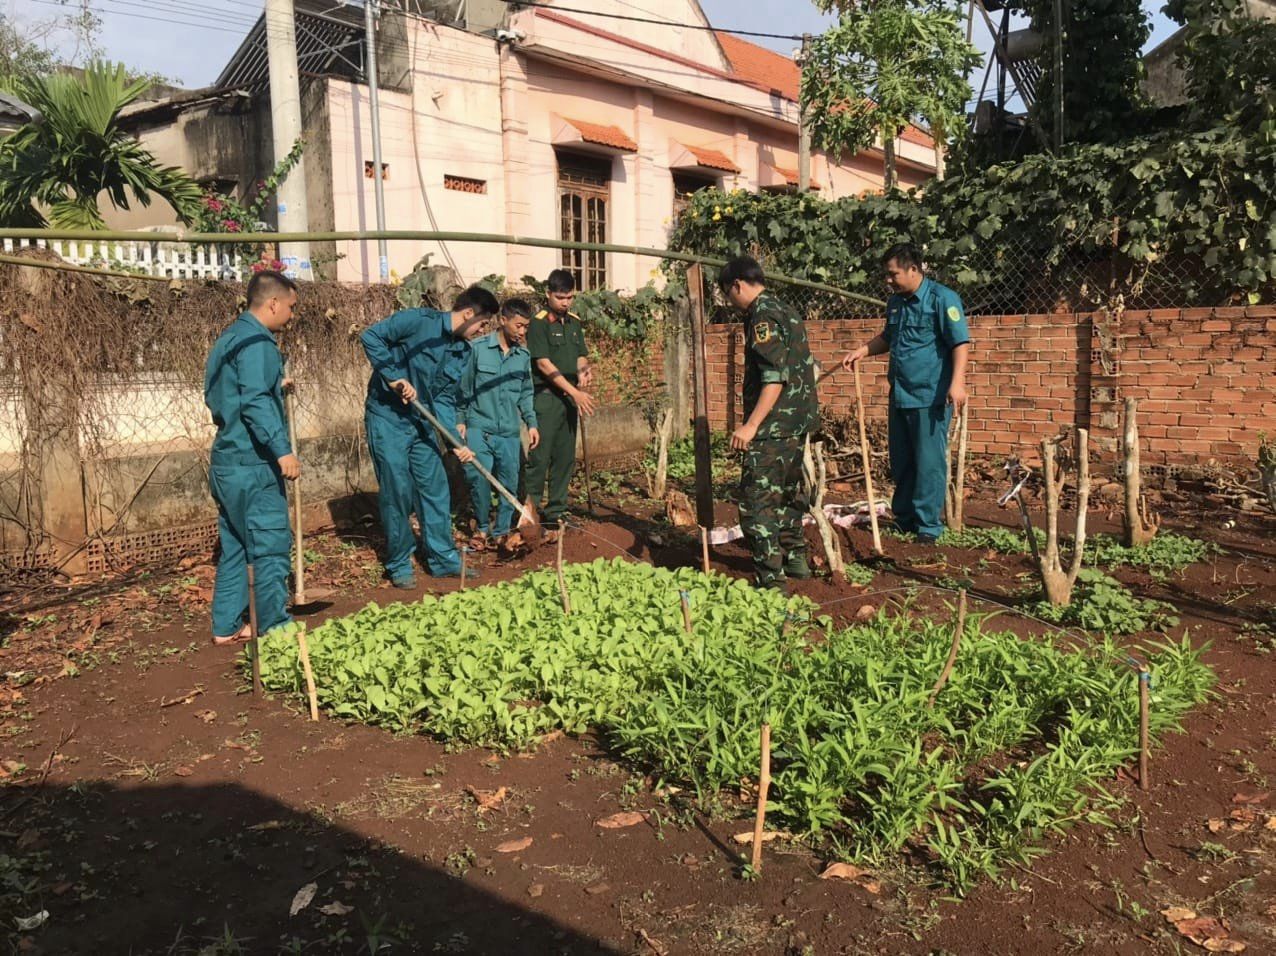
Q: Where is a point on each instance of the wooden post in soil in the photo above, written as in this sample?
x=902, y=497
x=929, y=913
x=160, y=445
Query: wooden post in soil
x=464, y=551
x=867, y=457
x=1056, y=581
x=764, y=784
x=700, y=364
x=952, y=651
x=303, y=651
x=815, y=471
x=704, y=550
x=685, y=598
x=955, y=496
x=562, y=581
x=254, y=645
x=1139, y=524
x=1145, y=691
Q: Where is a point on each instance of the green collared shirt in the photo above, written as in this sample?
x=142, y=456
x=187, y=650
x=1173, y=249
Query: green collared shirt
x=776, y=350
x=496, y=388
x=562, y=341
x=243, y=388
x=922, y=330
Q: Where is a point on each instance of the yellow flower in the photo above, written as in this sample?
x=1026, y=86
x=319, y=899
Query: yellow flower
x=728, y=210
x=717, y=209
x=717, y=216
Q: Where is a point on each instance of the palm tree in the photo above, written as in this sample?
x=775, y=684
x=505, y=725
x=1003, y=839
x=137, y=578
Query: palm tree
x=77, y=150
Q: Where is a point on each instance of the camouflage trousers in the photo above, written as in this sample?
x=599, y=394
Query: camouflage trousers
x=772, y=504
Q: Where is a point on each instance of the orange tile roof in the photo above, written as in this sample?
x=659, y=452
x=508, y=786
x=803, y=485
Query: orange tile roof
x=791, y=177
x=761, y=67
x=600, y=135
x=712, y=158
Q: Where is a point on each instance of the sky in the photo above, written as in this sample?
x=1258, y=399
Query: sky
x=190, y=41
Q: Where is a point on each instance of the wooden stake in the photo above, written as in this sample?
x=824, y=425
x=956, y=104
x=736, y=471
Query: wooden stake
x=464, y=552
x=867, y=457
x=704, y=549
x=303, y=650
x=952, y=651
x=686, y=610
x=1145, y=686
x=764, y=784
x=562, y=581
x=298, y=547
x=252, y=631
x=700, y=362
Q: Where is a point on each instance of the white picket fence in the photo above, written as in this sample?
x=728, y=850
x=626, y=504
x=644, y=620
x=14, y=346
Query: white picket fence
x=174, y=260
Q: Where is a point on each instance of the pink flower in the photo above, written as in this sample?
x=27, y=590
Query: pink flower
x=213, y=203
x=230, y=225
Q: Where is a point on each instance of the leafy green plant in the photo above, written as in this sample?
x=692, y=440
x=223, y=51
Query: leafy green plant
x=860, y=762
x=1101, y=603
x=1164, y=553
x=861, y=575
x=1001, y=540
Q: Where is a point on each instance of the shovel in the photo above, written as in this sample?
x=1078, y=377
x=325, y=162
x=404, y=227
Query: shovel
x=529, y=525
x=300, y=598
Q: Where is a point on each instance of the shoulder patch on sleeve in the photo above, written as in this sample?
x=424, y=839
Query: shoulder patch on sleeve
x=542, y=313
x=762, y=332
x=954, y=313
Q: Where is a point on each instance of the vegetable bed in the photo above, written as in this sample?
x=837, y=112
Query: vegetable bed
x=1016, y=745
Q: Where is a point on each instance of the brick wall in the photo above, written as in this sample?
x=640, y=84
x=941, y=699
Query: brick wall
x=1205, y=379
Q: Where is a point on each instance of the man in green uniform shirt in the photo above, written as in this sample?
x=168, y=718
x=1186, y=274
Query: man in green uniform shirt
x=560, y=375
x=419, y=354
x=781, y=409
x=928, y=341
x=250, y=459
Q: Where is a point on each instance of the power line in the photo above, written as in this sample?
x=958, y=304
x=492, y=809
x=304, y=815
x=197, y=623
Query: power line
x=661, y=23
x=141, y=16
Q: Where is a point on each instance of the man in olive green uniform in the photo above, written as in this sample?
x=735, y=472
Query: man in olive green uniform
x=250, y=459
x=781, y=409
x=928, y=340
x=560, y=375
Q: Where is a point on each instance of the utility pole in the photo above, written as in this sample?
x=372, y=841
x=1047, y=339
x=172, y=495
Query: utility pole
x=804, y=131
x=286, y=130
x=1058, y=75
x=370, y=12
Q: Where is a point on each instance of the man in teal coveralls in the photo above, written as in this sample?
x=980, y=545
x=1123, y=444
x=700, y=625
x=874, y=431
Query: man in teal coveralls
x=251, y=457
x=496, y=395
x=419, y=354
x=928, y=341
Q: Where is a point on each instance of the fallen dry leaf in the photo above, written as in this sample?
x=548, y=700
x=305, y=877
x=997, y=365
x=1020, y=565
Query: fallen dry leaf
x=1176, y=914
x=535, y=890
x=1201, y=928
x=597, y=888
x=1215, y=825
x=487, y=799
x=207, y=716
x=303, y=898
x=1224, y=945
x=1250, y=797
x=871, y=886
x=267, y=825
x=336, y=909
x=842, y=871
x=183, y=771
x=626, y=818
x=514, y=846
x=1270, y=824
x=767, y=836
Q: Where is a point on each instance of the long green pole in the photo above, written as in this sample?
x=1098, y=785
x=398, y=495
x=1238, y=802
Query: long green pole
x=238, y=238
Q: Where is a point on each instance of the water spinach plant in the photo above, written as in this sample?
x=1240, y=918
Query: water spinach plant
x=1016, y=746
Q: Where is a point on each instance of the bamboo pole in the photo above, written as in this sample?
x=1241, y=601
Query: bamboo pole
x=414, y=235
x=1145, y=687
x=562, y=580
x=298, y=548
x=685, y=598
x=303, y=651
x=952, y=651
x=700, y=381
x=464, y=553
x=252, y=631
x=868, y=462
x=764, y=784
x=704, y=549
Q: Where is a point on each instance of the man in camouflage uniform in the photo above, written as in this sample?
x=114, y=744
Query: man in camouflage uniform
x=781, y=409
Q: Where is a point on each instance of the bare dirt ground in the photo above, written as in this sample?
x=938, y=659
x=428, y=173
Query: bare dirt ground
x=151, y=804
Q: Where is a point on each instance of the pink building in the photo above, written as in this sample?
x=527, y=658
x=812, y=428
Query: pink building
x=533, y=122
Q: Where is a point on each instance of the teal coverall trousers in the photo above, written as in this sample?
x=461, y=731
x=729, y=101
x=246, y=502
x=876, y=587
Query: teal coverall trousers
x=252, y=524
x=918, y=440
x=410, y=474
x=501, y=455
